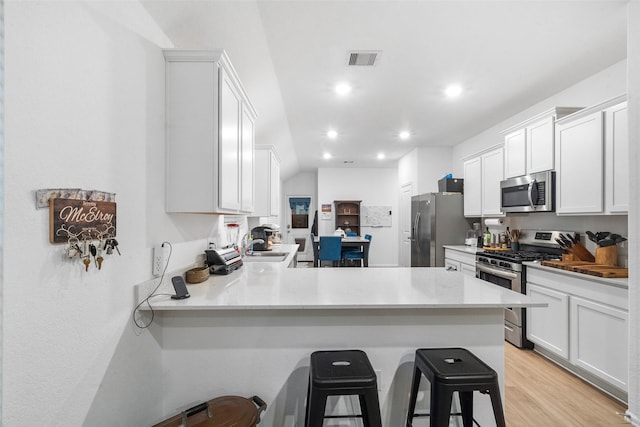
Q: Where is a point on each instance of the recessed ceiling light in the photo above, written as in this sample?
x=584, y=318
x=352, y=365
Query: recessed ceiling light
x=343, y=88
x=326, y=156
x=453, y=90
x=380, y=156
x=332, y=134
x=404, y=134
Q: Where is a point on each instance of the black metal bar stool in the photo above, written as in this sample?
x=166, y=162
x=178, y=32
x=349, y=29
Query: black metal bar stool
x=342, y=373
x=449, y=370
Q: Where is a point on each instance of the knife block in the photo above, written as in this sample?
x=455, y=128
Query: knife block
x=607, y=255
x=581, y=253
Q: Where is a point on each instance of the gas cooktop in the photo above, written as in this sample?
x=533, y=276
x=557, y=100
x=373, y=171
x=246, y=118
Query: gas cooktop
x=521, y=256
x=536, y=245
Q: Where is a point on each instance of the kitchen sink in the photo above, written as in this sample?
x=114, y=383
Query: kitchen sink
x=267, y=256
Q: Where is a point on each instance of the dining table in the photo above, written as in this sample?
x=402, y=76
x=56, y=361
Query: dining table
x=357, y=242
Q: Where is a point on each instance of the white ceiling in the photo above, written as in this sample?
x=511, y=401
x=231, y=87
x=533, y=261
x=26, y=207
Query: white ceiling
x=507, y=55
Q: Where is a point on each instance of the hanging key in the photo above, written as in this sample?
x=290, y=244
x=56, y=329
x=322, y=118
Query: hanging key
x=99, y=261
x=94, y=251
x=114, y=244
x=87, y=262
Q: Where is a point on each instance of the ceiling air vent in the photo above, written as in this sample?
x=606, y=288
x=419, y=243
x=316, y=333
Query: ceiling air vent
x=367, y=58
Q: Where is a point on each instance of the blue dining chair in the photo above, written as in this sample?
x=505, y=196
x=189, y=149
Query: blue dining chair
x=356, y=255
x=330, y=249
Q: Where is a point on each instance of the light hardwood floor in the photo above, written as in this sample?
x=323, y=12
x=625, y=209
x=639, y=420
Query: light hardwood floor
x=538, y=393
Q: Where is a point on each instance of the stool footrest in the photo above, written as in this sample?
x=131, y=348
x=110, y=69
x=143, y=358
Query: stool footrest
x=343, y=416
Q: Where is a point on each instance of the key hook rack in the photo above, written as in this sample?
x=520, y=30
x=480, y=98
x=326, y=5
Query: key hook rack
x=85, y=223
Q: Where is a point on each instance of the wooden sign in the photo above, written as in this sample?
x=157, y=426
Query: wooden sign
x=81, y=219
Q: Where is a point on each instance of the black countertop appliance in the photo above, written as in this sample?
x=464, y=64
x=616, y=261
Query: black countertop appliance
x=261, y=232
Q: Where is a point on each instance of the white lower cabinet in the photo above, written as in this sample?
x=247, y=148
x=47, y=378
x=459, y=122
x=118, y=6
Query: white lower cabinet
x=599, y=340
x=549, y=327
x=585, y=325
x=460, y=261
x=450, y=264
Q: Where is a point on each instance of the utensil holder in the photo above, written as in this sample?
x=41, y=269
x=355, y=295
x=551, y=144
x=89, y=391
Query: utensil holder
x=607, y=255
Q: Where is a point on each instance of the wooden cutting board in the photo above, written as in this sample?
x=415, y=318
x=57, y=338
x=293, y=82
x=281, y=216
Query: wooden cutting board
x=590, y=268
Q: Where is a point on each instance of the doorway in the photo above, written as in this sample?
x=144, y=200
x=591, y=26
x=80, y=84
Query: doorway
x=299, y=222
x=405, y=226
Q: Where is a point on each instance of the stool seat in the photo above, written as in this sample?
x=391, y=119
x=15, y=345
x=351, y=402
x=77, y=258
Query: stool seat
x=449, y=370
x=454, y=366
x=342, y=373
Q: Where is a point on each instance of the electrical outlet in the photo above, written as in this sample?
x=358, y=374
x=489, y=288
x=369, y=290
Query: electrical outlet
x=160, y=255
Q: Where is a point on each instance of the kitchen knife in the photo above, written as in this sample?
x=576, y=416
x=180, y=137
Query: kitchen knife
x=561, y=243
x=566, y=241
x=573, y=238
x=592, y=237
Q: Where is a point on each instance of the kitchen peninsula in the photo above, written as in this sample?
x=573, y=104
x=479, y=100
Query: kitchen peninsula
x=252, y=332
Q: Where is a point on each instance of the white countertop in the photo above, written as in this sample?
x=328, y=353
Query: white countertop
x=464, y=248
x=270, y=285
x=621, y=282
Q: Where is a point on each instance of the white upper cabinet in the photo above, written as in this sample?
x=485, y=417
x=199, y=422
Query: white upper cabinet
x=473, y=187
x=529, y=146
x=540, y=150
x=492, y=174
x=515, y=153
x=229, y=139
x=209, y=135
x=247, y=160
x=579, y=184
x=482, y=176
x=592, y=160
x=616, y=144
x=267, y=187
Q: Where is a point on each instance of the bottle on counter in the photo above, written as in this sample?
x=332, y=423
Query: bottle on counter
x=487, y=237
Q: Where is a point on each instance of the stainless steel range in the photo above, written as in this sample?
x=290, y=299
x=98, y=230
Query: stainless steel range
x=505, y=268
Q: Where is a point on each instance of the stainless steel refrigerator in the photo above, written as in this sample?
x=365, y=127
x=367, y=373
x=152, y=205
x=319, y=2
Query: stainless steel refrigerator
x=437, y=219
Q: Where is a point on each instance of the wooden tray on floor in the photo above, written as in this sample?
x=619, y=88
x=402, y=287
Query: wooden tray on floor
x=590, y=268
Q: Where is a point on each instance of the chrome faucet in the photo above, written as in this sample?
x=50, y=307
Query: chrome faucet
x=244, y=244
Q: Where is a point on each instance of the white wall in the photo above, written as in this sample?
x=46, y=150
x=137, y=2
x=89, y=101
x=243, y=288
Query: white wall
x=375, y=187
x=633, y=74
x=84, y=108
x=423, y=167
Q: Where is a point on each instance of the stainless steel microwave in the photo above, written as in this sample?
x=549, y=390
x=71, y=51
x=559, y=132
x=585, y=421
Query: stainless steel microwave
x=529, y=193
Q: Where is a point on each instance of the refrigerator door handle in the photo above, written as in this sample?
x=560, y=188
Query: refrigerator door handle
x=413, y=228
x=417, y=237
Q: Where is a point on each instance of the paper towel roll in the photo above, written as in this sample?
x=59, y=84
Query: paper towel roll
x=493, y=222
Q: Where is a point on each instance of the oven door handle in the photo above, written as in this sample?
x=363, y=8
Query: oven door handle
x=496, y=271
